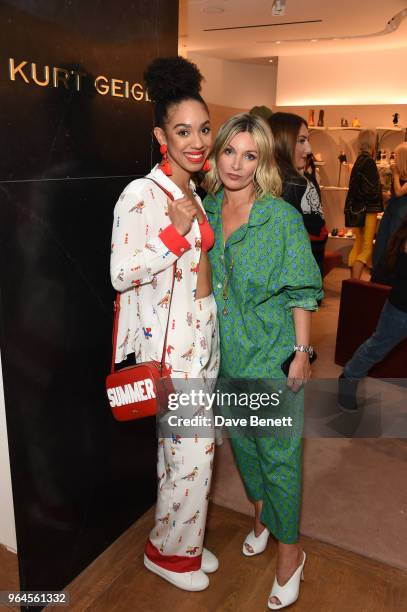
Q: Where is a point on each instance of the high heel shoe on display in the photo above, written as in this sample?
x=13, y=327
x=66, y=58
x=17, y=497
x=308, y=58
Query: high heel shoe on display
x=209, y=563
x=287, y=594
x=257, y=544
x=188, y=581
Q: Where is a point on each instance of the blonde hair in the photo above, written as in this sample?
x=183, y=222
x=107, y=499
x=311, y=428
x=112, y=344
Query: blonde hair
x=367, y=140
x=401, y=159
x=266, y=178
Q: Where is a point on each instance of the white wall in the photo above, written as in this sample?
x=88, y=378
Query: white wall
x=7, y=525
x=372, y=77
x=236, y=84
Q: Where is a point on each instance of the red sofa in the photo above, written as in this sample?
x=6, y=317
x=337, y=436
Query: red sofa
x=359, y=311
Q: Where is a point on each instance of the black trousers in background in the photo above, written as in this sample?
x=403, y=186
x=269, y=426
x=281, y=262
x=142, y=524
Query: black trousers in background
x=318, y=251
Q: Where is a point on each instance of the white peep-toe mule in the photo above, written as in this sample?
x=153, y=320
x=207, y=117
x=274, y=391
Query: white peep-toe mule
x=287, y=594
x=257, y=544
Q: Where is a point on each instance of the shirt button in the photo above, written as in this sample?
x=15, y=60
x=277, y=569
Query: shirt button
x=182, y=249
x=219, y=285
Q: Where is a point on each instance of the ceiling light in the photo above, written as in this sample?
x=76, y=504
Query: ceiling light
x=278, y=8
x=314, y=39
x=271, y=61
x=278, y=42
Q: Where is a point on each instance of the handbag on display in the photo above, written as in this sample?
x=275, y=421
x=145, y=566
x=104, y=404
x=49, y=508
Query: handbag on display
x=142, y=389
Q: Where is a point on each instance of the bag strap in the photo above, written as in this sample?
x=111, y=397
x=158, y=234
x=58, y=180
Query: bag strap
x=117, y=302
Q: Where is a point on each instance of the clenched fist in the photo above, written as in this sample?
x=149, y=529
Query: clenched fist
x=182, y=213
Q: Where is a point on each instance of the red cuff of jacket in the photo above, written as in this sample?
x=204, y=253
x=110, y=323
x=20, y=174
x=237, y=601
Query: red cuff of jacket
x=173, y=240
x=207, y=235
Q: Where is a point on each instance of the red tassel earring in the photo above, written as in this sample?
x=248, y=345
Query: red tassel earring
x=165, y=164
x=207, y=166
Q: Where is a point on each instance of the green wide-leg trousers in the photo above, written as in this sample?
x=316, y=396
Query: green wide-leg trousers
x=271, y=471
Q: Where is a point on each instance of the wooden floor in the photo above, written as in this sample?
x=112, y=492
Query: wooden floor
x=9, y=579
x=335, y=580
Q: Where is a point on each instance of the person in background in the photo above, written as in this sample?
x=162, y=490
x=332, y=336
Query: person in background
x=391, y=328
x=261, y=111
x=395, y=213
x=266, y=284
x=160, y=267
x=301, y=190
x=365, y=193
x=399, y=171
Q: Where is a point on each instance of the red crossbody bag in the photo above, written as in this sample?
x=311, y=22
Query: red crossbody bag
x=142, y=389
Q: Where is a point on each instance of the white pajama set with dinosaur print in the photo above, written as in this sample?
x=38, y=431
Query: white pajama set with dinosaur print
x=145, y=246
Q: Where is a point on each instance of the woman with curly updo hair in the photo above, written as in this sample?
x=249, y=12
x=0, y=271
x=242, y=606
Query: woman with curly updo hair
x=160, y=266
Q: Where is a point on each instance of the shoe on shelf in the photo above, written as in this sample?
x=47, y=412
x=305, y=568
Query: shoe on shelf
x=341, y=233
x=347, y=389
x=256, y=543
x=334, y=231
x=209, y=563
x=188, y=581
x=287, y=594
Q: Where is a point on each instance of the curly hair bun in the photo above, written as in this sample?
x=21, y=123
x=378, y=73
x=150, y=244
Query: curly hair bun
x=170, y=78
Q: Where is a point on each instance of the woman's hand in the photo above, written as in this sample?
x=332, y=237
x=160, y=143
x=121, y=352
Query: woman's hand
x=299, y=372
x=182, y=212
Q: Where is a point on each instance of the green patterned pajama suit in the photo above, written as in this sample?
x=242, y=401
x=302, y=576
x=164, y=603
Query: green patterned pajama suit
x=269, y=269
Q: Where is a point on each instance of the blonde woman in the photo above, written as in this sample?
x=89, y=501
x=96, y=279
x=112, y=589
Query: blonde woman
x=365, y=193
x=266, y=283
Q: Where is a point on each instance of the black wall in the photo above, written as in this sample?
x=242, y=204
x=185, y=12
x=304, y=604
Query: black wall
x=79, y=478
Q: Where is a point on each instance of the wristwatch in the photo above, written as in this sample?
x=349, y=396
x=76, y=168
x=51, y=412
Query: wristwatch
x=304, y=349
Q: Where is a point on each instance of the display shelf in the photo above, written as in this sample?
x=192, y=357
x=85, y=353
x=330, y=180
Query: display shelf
x=341, y=237
x=339, y=128
x=391, y=129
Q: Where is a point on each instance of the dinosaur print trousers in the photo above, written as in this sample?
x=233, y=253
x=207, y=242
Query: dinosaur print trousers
x=185, y=460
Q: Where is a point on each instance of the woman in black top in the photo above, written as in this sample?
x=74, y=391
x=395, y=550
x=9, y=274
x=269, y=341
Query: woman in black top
x=392, y=325
x=292, y=150
x=365, y=192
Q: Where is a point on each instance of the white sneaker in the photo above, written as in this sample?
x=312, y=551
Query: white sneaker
x=209, y=563
x=189, y=581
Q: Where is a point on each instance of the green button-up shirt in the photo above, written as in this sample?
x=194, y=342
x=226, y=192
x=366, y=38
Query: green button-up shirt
x=264, y=270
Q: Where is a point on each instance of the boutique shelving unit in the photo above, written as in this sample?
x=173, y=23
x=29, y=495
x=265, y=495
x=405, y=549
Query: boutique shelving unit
x=333, y=195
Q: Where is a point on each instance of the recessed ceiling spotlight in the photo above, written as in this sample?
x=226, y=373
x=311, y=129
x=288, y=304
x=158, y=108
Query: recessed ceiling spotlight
x=213, y=9
x=278, y=8
x=278, y=42
x=271, y=61
x=314, y=39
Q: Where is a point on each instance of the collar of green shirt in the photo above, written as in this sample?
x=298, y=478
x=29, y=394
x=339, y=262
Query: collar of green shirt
x=260, y=213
